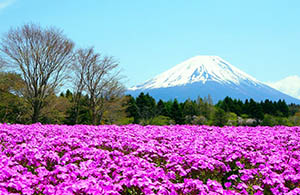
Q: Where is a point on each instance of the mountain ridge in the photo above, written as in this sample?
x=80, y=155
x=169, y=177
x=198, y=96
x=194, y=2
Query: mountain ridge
x=207, y=75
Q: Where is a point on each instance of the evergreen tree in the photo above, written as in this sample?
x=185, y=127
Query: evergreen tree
x=69, y=94
x=255, y=110
x=283, y=108
x=228, y=104
x=78, y=113
x=168, y=106
x=176, y=113
x=132, y=109
x=246, y=107
x=268, y=107
x=238, y=104
x=146, y=107
x=161, y=108
x=189, y=108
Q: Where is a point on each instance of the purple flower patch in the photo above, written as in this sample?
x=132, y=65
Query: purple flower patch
x=133, y=159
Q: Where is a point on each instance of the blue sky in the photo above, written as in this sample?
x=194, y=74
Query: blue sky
x=262, y=38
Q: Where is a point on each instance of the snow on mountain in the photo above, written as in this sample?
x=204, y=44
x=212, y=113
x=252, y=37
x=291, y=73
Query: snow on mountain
x=289, y=85
x=198, y=69
x=207, y=75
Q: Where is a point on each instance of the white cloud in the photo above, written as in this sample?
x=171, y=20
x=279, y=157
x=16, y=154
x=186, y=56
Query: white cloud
x=5, y=4
x=289, y=85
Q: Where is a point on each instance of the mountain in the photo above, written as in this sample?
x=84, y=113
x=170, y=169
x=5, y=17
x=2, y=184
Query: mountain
x=289, y=85
x=207, y=75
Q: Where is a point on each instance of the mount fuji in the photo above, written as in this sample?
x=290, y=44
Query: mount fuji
x=201, y=76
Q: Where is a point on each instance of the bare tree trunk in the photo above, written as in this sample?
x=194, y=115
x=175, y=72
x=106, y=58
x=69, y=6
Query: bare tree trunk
x=92, y=108
x=94, y=117
x=36, y=112
x=94, y=113
x=77, y=98
x=77, y=111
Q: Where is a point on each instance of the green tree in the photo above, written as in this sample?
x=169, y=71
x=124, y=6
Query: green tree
x=161, y=108
x=220, y=117
x=176, y=113
x=146, y=108
x=283, y=108
x=232, y=119
x=13, y=108
x=205, y=108
x=189, y=110
x=227, y=104
x=246, y=107
x=268, y=107
x=132, y=108
x=255, y=110
x=238, y=107
x=78, y=113
x=269, y=120
x=168, y=106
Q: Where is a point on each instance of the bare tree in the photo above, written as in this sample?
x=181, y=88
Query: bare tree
x=97, y=76
x=78, y=67
x=41, y=56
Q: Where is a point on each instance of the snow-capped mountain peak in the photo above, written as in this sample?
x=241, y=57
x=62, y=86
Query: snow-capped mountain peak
x=201, y=76
x=198, y=69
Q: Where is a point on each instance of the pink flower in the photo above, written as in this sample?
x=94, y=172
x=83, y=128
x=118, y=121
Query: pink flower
x=255, y=187
x=232, y=177
x=245, y=177
x=239, y=164
x=227, y=184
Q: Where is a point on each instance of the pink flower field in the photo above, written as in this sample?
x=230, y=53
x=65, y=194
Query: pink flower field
x=133, y=159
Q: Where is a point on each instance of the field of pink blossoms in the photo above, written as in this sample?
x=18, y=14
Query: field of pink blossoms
x=133, y=159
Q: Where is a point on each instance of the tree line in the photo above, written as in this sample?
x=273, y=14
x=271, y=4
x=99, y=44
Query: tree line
x=144, y=110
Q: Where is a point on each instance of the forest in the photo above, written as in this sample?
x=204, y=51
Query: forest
x=71, y=108
x=231, y=112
